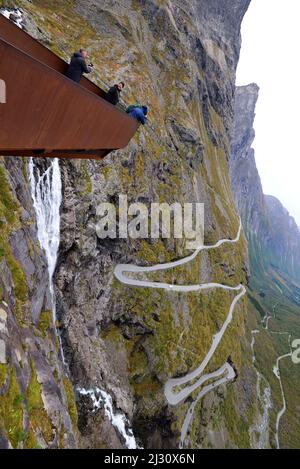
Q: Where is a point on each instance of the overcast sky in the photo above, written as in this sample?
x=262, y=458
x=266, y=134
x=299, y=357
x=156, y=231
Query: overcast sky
x=270, y=57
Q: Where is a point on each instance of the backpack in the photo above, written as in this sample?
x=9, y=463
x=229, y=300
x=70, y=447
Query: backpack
x=133, y=106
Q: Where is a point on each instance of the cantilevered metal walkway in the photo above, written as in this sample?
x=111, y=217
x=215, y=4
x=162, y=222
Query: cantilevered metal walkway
x=47, y=114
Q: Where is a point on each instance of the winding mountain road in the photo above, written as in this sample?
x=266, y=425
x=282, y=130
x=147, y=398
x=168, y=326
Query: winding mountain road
x=276, y=371
x=226, y=372
x=276, y=368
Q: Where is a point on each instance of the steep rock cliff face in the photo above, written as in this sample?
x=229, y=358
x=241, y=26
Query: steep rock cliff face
x=286, y=238
x=274, y=253
x=129, y=341
x=245, y=180
x=265, y=220
x=180, y=59
x=35, y=395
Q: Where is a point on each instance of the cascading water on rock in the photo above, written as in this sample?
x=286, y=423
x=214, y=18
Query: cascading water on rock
x=101, y=399
x=46, y=191
x=47, y=198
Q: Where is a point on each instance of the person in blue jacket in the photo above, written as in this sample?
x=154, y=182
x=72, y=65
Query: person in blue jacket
x=138, y=112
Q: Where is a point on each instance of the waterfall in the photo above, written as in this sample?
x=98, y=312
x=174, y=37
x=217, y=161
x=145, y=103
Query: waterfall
x=266, y=401
x=46, y=191
x=102, y=400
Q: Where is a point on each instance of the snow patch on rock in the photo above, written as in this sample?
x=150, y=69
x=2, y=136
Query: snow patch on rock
x=15, y=15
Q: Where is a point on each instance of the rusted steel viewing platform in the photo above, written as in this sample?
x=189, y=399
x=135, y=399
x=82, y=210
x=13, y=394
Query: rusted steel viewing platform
x=46, y=113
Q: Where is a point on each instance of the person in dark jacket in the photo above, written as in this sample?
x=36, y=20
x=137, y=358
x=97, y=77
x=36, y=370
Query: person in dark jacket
x=139, y=113
x=113, y=94
x=78, y=66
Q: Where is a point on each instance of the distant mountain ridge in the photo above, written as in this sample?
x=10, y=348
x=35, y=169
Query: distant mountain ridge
x=265, y=220
x=273, y=319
